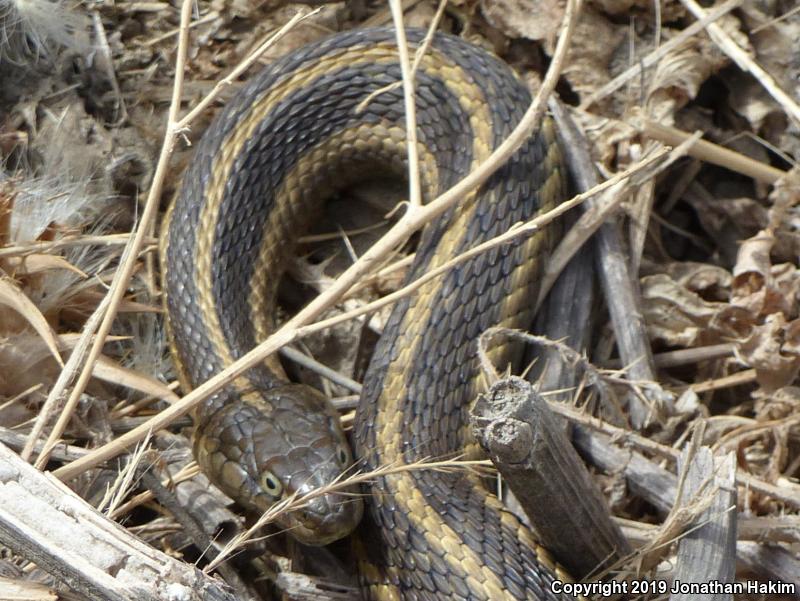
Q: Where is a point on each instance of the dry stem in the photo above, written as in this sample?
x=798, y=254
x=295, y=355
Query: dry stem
x=414, y=187
x=741, y=58
x=657, y=54
x=714, y=153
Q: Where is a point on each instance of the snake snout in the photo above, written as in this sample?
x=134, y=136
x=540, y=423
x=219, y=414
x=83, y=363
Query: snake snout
x=258, y=461
x=281, y=443
x=326, y=518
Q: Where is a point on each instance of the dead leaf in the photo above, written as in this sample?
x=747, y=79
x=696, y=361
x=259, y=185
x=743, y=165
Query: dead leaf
x=775, y=46
x=760, y=287
x=38, y=263
x=710, y=281
x=780, y=404
x=675, y=314
x=109, y=370
x=753, y=258
x=8, y=192
x=92, y=298
x=610, y=139
x=771, y=349
x=732, y=322
x=678, y=76
x=12, y=296
x=106, y=369
x=531, y=19
x=594, y=44
x=784, y=219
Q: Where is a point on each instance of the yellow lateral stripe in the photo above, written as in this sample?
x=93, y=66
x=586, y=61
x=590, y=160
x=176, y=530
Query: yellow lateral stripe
x=436, y=64
x=383, y=140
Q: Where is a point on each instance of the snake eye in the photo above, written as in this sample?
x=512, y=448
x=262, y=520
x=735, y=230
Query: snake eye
x=343, y=455
x=271, y=484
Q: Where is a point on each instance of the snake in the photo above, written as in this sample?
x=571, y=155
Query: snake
x=312, y=124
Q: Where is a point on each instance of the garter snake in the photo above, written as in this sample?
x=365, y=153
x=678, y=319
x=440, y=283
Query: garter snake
x=297, y=133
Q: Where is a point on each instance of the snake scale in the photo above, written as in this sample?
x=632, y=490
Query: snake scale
x=298, y=132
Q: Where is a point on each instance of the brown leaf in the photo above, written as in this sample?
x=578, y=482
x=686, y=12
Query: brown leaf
x=8, y=193
x=771, y=349
x=676, y=315
x=783, y=219
x=781, y=404
x=109, y=370
x=732, y=322
x=594, y=46
x=727, y=220
x=760, y=287
x=677, y=78
x=776, y=49
x=12, y=296
x=610, y=139
x=710, y=281
x=37, y=263
x=753, y=260
x=532, y=19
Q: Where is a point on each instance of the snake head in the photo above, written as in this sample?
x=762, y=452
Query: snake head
x=262, y=447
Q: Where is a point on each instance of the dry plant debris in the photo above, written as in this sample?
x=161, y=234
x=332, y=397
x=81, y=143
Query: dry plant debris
x=87, y=91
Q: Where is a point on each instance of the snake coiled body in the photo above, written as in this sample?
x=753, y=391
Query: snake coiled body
x=297, y=133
